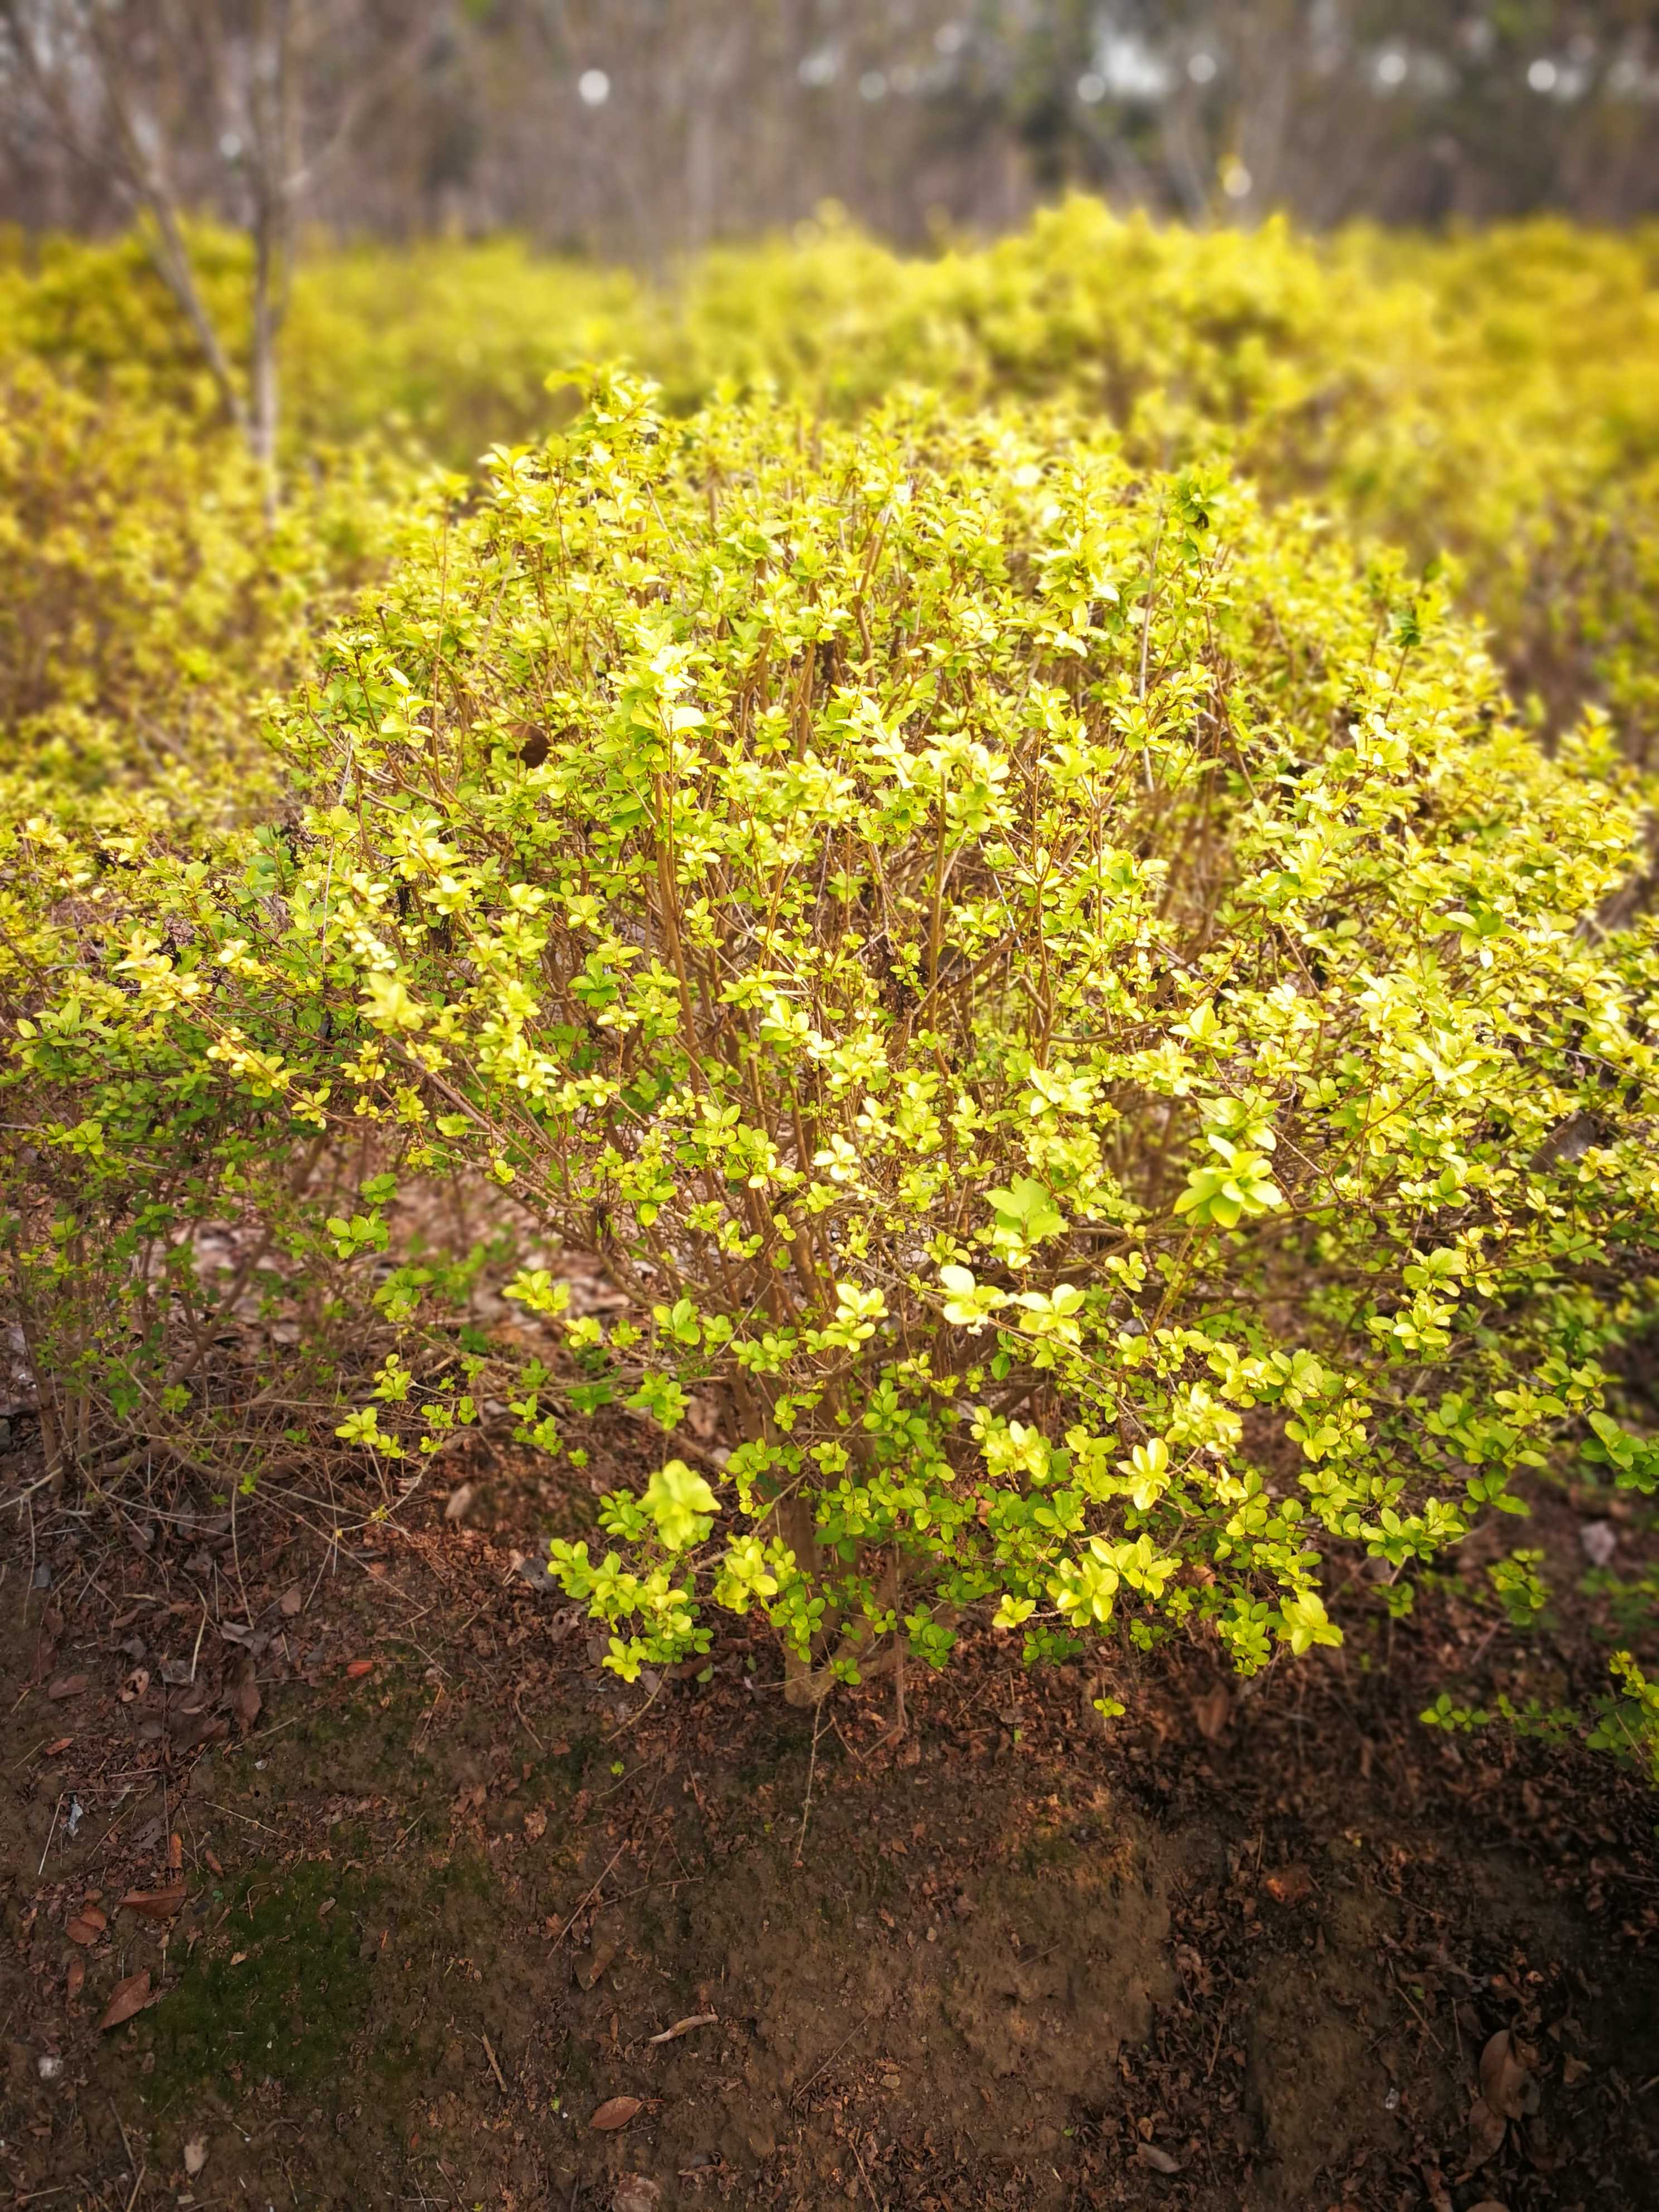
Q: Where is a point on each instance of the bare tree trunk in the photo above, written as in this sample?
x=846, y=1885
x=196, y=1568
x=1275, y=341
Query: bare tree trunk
x=142, y=166
x=273, y=115
x=253, y=94
x=1181, y=127
x=136, y=170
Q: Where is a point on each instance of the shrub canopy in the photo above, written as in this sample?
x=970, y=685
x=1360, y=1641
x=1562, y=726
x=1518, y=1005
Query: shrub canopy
x=1062, y=997
x=147, y=606
x=1491, y=397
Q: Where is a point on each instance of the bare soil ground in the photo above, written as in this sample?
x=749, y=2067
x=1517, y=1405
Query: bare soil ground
x=419, y=1894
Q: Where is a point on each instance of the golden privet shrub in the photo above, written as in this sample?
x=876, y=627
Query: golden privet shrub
x=1062, y=999
x=1494, y=397
x=147, y=602
x=97, y=312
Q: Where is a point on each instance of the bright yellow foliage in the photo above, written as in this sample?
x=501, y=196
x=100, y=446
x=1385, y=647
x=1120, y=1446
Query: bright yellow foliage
x=975, y=847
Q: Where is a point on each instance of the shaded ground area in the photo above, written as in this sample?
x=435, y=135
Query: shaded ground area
x=418, y=1894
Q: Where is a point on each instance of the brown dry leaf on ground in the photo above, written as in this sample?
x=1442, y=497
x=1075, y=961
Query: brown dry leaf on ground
x=1486, y=2132
x=615, y=2112
x=195, y=2156
x=244, y=1696
x=635, y=2193
x=1536, y=2141
x=155, y=1904
x=1291, y=1885
x=590, y=1964
x=1506, y=2084
x=1212, y=1711
x=703, y=1418
x=127, y=1998
x=1159, y=2160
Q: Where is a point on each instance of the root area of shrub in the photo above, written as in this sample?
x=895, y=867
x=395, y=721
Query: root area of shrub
x=391, y=1898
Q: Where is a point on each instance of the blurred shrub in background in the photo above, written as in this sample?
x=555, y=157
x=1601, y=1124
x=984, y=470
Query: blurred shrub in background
x=1493, y=398
x=146, y=603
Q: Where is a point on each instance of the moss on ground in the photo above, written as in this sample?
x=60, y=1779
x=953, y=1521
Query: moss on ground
x=280, y=1987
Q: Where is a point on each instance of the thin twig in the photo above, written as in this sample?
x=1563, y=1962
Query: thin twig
x=670, y=1881
x=591, y=1894
x=639, y=1714
x=126, y=2143
x=528, y=1730
x=683, y=2026
x=56, y=1809
x=40, y=1484
x=868, y=2183
x=811, y=1769
x=834, y=2055
x=235, y=1815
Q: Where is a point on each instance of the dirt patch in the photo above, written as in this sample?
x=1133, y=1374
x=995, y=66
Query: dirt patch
x=446, y=1891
